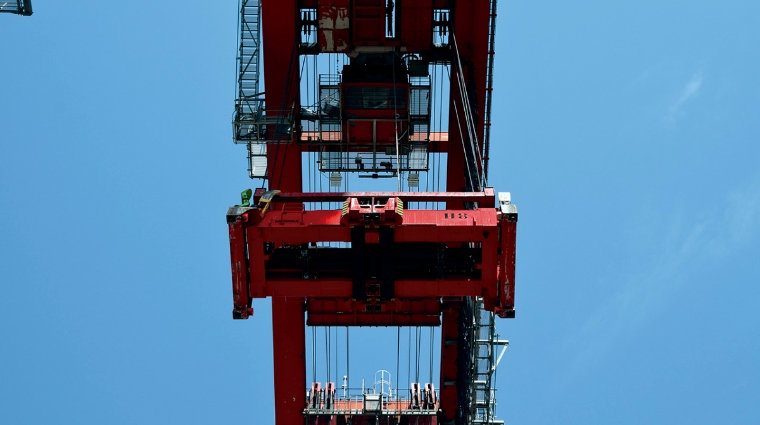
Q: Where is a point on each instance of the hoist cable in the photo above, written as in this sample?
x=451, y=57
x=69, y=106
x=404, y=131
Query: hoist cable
x=337, y=351
x=470, y=121
x=432, y=346
x=461, y=138
x=398, y=352
x=472, y=136
x=308, y=154
x=440, y=123
x=314, y=354
x=416, y=354
x=467, y=110
x=409, y=358
x=395, y=125
x=419, y=352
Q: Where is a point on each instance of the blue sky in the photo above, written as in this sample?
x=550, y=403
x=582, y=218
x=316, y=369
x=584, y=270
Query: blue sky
x=627, y=133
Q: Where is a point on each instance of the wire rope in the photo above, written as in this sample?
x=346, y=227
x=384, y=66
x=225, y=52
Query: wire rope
x=461, y=138
x=395, y=125
x=440, y=120
x=467, y=110
x=308, y=153
x=314, y=354
x=327, y=352
x=418, y=353
x=336, y=356
x=409, y=357
x=432, y=346
x=398, y=352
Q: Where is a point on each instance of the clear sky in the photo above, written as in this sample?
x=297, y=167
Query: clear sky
x=627, y=132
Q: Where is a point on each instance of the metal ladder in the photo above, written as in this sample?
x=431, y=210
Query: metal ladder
x=249, y=103
x=483, y=387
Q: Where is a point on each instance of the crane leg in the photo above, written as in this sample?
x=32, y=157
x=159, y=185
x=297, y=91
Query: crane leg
x=289, y=341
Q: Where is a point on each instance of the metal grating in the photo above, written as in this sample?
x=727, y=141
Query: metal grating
x=419, y=108
x=330, y=123
x=257, y=160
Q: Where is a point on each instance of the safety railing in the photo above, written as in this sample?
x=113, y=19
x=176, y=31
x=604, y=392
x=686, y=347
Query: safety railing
x=371, y=403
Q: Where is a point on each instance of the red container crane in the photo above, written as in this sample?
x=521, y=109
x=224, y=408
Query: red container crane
x=378, y=258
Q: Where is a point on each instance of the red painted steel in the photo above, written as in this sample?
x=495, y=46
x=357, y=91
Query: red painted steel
x=486, y=229
x=449, y=398
x=281, y=66
x=240, y=278
x=262, y=245
x=416, y=24
x=368, y=23
x=485, y=199
x=470, y=21
x=334, y=34
x=468, y=39
x=506, y=290
x=289, y=336
x=347, y=312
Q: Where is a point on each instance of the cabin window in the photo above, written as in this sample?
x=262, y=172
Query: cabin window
x=374, y=97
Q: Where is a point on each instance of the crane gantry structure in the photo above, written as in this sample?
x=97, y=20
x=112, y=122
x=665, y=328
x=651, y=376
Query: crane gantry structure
x=384, y=91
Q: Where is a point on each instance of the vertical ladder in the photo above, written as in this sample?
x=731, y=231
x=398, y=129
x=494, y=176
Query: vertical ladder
x=249, y=103
x=485, y=360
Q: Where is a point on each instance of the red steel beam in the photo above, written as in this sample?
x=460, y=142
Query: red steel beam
x=449, y=367
x=341, y=289
x=280, y=47
x=470, y=27
x=280, y=39
x=281, y=86
x=289, y=342
x=489, y=229
x=470, y=19
x=485, y=199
